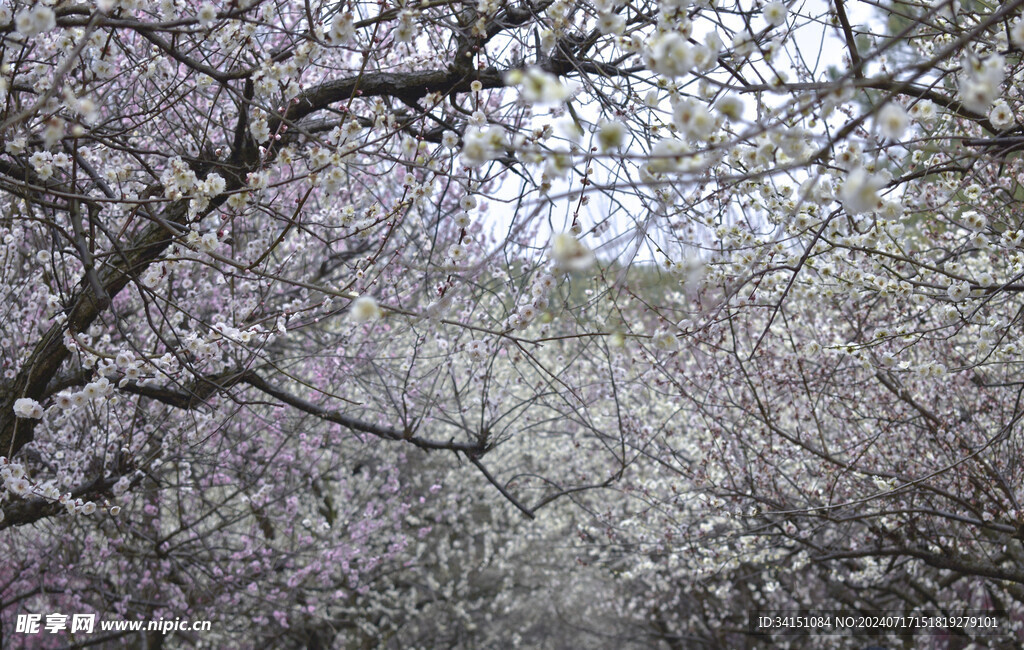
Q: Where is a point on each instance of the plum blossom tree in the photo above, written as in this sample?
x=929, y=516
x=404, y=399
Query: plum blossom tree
x=363, y=324
x=243, y=245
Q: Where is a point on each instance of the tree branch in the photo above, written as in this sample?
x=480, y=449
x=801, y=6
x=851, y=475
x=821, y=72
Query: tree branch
x=387, y=433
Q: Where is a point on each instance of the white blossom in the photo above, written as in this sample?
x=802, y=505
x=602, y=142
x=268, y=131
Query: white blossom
x=26, y=407
x=207, y=14
x=892, y=121
x=693, y=118
x=859, y=193
x=568, y=252
x=364, y=309
x=665, y=340
x=669, y=54
x=476, y=350
x=668, y=155
x=213, y=185
x=482, y=145
x=35, y=20
x=1001, y=115
x=923, y=112
x=1017, y=33
x=342, y=29
x=730, y=106
x=540, y=87
x=405, y=31
x=611, y=135
x=775, y=13
x=18, y=486
x=958, y=291
x=980, y=82
x=610, y=23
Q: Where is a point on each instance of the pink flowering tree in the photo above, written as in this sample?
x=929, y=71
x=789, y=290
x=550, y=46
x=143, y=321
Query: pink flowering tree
x=334, y=323
x=249, y=268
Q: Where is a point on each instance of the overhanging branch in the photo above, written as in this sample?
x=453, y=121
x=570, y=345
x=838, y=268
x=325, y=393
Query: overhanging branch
x=355, y=424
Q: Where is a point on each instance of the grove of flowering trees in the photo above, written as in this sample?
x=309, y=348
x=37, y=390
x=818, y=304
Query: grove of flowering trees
x=510, y=323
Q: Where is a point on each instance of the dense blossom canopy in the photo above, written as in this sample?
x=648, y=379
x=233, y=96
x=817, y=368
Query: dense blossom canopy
x=480, y=324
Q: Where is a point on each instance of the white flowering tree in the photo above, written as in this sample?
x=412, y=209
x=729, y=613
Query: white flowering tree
x=303, y=300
